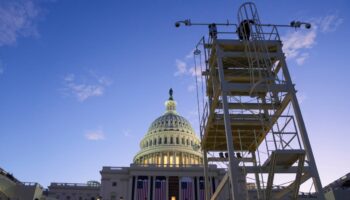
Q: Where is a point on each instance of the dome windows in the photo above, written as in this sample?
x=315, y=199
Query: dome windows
x=167, y=139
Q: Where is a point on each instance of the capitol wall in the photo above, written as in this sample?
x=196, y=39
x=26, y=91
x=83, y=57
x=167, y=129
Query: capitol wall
x=153, y=182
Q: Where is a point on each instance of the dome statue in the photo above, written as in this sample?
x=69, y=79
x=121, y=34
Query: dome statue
x=170, y=140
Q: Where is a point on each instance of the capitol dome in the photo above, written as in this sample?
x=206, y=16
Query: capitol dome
x=170, y=140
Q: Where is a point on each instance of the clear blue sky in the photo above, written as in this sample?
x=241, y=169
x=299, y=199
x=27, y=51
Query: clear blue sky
x=81, y=81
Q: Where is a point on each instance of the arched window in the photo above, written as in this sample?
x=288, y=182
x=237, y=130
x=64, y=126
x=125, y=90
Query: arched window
x=150, y=143
x=171, y=140
x=155, y=141
x=187, y=142
x=165, y=140
x=159, y=140
x=177, y=140
x=183, y=141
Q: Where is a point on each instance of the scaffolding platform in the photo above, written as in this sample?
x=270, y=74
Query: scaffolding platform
x=284, y=158
x=244, y=80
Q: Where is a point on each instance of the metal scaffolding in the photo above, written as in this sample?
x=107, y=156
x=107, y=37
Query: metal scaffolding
x=251, y=113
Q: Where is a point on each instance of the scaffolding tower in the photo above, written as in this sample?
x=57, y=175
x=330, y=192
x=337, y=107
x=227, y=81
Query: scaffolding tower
x=251, y=114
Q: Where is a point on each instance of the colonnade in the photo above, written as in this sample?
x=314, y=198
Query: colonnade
x=170, y=159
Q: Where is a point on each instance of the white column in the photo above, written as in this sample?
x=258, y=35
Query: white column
x=180, y=196
x=167, y=187
x=168, y=159
x=149, y=187
x=153, y=185
x=197, y=186
x=193, y=190
x=182, y=159
x=174, y=160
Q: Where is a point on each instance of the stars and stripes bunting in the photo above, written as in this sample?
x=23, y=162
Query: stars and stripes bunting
x=142, y=188
x=186, y=189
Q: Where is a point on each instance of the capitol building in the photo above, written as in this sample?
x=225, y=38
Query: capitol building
x=169, y=166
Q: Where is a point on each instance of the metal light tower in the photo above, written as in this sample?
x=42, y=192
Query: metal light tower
x=252, y=112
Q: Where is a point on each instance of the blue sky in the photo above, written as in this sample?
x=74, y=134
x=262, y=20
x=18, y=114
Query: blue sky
x=81, y=81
